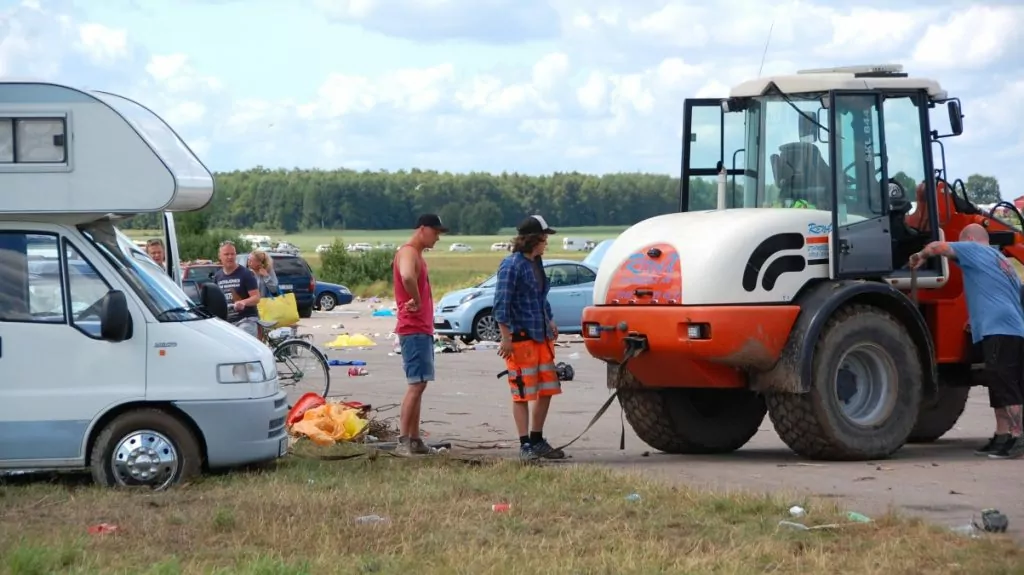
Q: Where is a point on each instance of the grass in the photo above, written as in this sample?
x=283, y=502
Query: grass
x=448, y=270
x=301, y=518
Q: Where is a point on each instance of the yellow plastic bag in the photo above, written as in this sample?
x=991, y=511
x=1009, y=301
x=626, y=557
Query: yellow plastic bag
x=281, y=309
x=331, y=423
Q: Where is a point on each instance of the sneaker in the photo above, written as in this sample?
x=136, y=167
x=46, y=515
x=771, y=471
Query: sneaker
x=994, y=444
x=1012, y=449
x=543, y=449
x=417, y=447
x=526, y=453
x=403, y=449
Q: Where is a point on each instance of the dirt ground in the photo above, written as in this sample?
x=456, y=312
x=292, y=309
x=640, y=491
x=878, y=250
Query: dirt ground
x=943, y=482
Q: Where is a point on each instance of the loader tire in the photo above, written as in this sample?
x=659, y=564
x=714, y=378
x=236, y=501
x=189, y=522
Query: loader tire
x=693, y=421
x=936, y=419
x=866, y=356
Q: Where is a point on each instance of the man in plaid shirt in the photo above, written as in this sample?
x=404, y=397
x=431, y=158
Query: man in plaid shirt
x=528, y=335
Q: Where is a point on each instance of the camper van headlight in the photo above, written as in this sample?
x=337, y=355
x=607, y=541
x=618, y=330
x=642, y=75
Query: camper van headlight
x=251, y=372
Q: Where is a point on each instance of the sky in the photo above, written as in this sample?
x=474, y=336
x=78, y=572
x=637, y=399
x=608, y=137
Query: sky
x=532, y=86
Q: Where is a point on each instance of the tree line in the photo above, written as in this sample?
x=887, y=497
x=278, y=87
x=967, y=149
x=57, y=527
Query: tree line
x=471, y=204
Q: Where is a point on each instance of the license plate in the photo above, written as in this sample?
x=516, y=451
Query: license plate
x=286, y=286
x=438, y=319
x=282, y=449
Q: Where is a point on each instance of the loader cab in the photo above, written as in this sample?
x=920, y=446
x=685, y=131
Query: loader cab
x=852, y=143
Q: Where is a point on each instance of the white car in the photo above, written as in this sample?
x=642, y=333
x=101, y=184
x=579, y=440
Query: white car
x=501, y=246
x=322, y=248
x=457, y=247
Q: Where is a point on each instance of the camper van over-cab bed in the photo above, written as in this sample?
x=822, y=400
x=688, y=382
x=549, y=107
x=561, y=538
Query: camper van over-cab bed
x=105, y=364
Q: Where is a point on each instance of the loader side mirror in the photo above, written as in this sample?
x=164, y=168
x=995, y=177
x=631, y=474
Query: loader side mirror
x=956, y=118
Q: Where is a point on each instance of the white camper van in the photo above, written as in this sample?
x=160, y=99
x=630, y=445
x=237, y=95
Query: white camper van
x=105, y=364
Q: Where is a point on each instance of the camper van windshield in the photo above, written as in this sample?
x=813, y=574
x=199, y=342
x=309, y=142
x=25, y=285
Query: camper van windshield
x=156, y=289
x=179, y=159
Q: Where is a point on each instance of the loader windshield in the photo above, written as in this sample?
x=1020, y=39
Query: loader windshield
x=792, y=161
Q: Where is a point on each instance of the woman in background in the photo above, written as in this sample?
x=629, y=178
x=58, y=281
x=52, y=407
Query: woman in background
x=263, y=266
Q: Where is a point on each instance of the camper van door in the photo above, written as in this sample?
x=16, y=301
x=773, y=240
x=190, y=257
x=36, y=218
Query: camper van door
x=56, y=373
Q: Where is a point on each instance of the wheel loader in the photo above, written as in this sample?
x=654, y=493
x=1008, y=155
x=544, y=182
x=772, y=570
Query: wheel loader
x=781, y=286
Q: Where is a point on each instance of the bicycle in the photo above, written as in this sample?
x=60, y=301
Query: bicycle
x=289, y=349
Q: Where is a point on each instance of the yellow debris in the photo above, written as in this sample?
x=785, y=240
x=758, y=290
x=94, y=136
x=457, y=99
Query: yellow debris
x=357, y=340
x=330, y=423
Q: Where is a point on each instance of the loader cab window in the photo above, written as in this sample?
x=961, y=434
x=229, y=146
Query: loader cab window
x=797, y=158
x=859, y=163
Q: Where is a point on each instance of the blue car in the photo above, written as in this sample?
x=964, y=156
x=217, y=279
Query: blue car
x=329, y=296
x=466, y=313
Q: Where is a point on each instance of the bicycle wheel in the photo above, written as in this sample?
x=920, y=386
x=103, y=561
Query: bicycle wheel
x=302, y=368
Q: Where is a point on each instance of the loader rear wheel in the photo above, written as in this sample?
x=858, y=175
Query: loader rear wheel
x=935, y=420
x=865, y=392
x=693, y=421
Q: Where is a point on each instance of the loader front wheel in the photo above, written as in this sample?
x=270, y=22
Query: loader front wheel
x=865, y=393
x=693, y=421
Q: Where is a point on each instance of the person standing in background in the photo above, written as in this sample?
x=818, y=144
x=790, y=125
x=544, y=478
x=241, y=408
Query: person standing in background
x=241, y=289
x=261, y=264
x=415, y=329
x=156, y=251
x=528, y=335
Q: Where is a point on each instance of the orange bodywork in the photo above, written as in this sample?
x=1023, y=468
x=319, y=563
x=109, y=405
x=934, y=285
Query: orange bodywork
x=645, y=298
x=740, y=336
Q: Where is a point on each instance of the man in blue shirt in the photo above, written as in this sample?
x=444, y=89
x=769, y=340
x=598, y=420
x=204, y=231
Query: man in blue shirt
x=528, y=335
x=993, y=292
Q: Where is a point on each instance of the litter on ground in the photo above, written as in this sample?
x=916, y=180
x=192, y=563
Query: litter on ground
x=346, y=340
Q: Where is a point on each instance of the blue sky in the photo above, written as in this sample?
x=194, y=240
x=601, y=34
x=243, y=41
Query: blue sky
x=519, y=85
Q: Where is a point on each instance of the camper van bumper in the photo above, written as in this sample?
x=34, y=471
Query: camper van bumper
x=240, y=432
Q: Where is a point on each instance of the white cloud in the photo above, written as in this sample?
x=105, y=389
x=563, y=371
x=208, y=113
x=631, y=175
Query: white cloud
x=603, y=88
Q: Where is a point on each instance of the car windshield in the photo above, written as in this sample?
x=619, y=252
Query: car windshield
x=594, y=258
x=156, y=289
x=489, y=282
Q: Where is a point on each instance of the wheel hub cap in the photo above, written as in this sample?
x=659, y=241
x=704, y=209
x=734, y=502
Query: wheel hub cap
x=866, y=385
x=488, y=328
x=144, y=457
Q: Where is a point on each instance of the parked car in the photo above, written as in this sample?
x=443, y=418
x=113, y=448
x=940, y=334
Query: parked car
x=466, y=313
x=596, y=254
x=322, y=248
x=501, y=246
x=329, y=296
x=293, y=276
x=460, y=247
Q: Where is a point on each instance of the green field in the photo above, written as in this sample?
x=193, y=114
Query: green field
x=448, y=270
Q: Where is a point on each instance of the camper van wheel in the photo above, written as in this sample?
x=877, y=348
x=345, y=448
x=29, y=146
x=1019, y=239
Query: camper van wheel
x=145, y=448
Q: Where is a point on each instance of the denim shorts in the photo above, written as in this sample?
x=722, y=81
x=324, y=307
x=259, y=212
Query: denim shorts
x=417, y=357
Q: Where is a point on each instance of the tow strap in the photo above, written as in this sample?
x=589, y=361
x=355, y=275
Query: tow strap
x=374, y=449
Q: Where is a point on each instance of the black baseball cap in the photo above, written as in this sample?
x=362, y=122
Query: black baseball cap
x=431, y=221
x=534, y=225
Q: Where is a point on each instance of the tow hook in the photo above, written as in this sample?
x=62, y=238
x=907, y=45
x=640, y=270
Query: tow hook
x=634, y=344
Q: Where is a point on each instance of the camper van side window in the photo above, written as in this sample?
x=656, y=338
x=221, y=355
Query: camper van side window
x=31, y=290
x=85, y=287
x=33, y=140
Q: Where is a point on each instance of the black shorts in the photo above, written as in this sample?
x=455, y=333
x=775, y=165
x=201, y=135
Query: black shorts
x=1004, y=369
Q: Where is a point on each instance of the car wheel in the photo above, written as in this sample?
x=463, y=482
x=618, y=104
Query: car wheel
x=306, y=312
x=327, y=302
x=485, y=327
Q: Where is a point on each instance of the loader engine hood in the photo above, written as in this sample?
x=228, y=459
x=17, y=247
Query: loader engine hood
x=722, y=257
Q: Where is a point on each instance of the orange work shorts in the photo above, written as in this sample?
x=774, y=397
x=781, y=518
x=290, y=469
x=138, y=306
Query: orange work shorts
x=531, y=370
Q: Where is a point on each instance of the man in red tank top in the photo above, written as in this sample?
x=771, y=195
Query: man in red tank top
x=415, y=329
